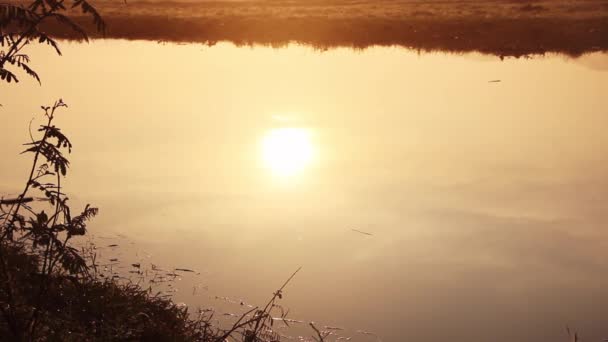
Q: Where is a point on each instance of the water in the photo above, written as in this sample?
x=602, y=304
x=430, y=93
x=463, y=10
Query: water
x=486, y=201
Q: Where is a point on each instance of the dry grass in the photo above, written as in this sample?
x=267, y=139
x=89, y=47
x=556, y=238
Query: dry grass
x=504, y=28
x=353, y=9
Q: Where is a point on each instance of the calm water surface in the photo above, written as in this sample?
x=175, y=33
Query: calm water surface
x=487, y=201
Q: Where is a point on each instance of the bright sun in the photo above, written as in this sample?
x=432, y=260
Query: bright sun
x=287, y=151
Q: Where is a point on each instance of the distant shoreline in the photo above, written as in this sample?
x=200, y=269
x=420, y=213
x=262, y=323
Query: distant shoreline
x=502, y=28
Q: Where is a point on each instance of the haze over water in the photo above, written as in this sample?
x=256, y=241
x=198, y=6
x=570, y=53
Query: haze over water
x=486, y=201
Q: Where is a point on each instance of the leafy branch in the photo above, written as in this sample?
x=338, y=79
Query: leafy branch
x=31, y=228
x=22, y=25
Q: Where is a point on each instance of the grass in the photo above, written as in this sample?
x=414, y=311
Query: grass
x=104, y=309
x=93, y=309
x=502, y=28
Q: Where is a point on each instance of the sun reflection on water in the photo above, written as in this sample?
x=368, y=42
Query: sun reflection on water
x=287, y=151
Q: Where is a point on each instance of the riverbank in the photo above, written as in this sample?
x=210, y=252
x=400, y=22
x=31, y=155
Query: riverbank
x=502, y=28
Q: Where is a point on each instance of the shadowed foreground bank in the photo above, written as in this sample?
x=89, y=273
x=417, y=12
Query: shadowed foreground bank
x=75, y=309
x=502, y=28
x=98, y=308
